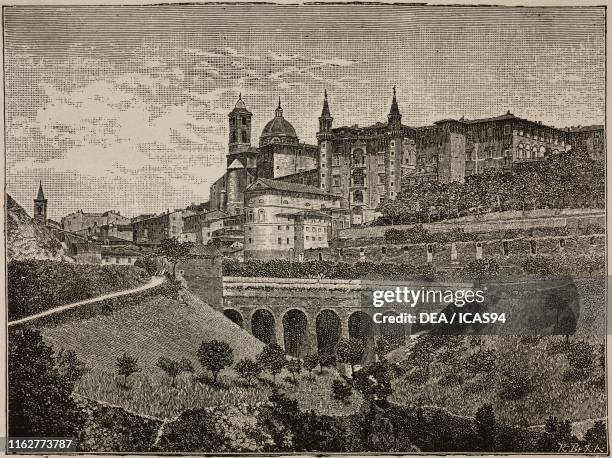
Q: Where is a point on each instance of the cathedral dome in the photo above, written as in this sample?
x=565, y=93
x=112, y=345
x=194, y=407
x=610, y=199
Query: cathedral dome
x=278, y=128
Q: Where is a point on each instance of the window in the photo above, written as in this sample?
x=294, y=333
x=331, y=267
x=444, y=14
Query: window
x=561, y=243
x=336, y=181
x=336, y=160
x=287, y=240
x=287, y=227
x=323, y=165
x=383, y=250
x=320, y=239
x=307, y=237
x=244, y=137
x=505, y=247
x=507, y=129
x=280, y=241
x=533, y=246
x=250, y=240
x=307, y=229
x=280, y=228
x=430, y=248
x=490, y=132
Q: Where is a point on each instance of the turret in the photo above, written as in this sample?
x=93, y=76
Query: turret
x=325, y=120
x=394, y=116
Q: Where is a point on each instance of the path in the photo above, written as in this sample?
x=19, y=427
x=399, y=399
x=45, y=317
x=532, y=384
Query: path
x=155, y=281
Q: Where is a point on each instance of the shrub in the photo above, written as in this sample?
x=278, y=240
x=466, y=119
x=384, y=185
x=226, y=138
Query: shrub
x=481, y=269
x=248, y=369
x=294, y=367
x=148, y=262
x=310, y=362
x=174, y=368
x=327, y=360
x=126, y=366
x=341, y=390
x=350, y=350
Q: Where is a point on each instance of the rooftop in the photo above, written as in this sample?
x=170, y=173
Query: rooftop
x=278, y=185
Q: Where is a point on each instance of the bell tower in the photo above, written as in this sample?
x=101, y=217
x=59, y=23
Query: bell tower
x=394, y=116
x=239, y=127
x=40, y=206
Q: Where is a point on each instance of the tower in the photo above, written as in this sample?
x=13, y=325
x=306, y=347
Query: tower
x=40, y=206
x=239, y=127
x=394, y=116
x=325, y=120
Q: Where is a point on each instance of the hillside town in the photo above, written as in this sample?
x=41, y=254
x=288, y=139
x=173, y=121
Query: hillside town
x=289, y=200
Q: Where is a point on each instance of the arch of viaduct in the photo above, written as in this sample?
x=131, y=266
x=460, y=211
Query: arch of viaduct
x=321, y=311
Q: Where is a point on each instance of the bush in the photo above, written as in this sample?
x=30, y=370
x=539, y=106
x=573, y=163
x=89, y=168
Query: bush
x=149, y=263
x=341, y=391
x=481, y=269
x=248, y=369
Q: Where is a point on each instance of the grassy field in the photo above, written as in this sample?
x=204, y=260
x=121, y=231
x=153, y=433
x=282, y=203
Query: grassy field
x=159, y=327
x=551, y=395
x=153, y=328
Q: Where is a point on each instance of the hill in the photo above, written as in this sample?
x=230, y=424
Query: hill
x=149, y=328
x=526, y=379
x=29, y=239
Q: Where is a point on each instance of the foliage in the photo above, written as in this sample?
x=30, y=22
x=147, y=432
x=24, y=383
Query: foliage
x=486, y=426
x=482, y=361
x=236, y=429
x=215, y=356
x=541, y=266
x=386, y=344
x=516, y=383
x=481, y=269
x=39, y=389
x=374, y=380
x=69, y=366
x=596, y=436
x=174, y=368
x=170, y=288
x=175, y=251
x=311, y=362
x=566, y=180
x=325, y=269
x=148, y=262
x=36, y=286
x=126, y=366
x=272, y=358
x=350, y=351
x=341, y=390
x=248, y=369
x=294, y=367
x=327, y=360
x=581, y=357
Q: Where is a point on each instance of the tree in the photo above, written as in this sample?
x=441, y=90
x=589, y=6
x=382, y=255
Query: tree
x=248, y=369
x=272, y=358
x=175, y=251
x=596, y=437
x=147, y=262
x=486, y=427
x=294, y=367
x=174, y=368
x=350, y=351
x=327, y=360
x=386, y=344
x=311, y=362
x=215, y=356
x=126, y=366
x=341, y=390
x=40, y=402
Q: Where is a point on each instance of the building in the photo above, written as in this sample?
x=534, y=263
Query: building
x=40, y=206
x=284, y=219
x=153, y=230
x=90, y=223
x=279, y=154
x=119, y=255
x=368, y=164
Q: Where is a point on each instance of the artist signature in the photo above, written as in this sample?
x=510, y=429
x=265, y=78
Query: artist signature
x=576, y=447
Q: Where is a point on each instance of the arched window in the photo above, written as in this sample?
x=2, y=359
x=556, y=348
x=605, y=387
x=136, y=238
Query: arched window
x=358, y=157
x=261, y=215
x=233, y=137
x=244, y=137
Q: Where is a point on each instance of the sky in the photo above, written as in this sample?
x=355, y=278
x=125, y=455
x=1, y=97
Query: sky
x=125, y=108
